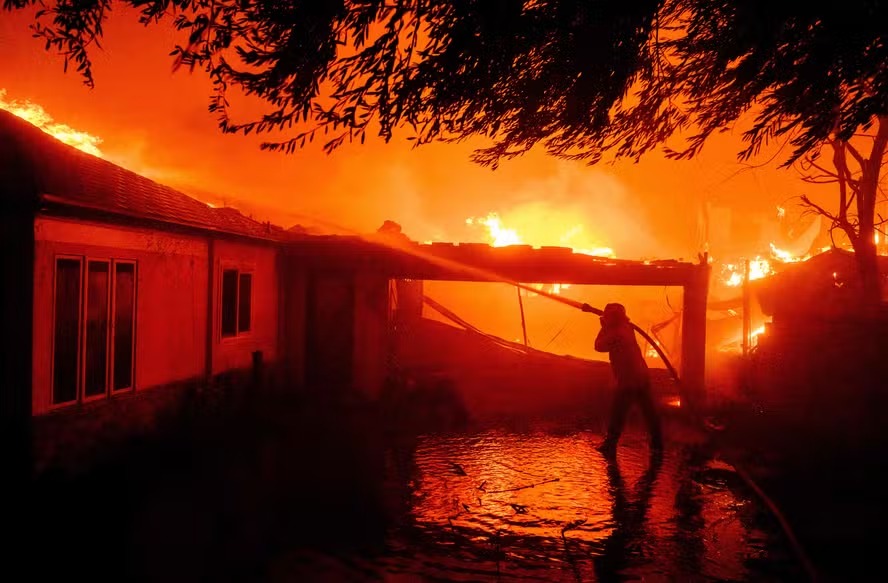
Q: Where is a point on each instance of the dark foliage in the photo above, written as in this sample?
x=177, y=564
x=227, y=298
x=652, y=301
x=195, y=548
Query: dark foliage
x=579, y=77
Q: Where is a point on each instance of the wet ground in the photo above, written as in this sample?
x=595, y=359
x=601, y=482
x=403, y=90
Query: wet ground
x=542, y=504
x=312, y=497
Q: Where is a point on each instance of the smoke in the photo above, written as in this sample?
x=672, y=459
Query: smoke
x=561, y=204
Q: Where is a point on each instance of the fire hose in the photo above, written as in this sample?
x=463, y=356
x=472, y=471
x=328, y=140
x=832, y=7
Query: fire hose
x=587, y=308
x=796, y=546
x=744, y=475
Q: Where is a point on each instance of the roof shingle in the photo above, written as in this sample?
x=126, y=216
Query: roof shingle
x=75, y=178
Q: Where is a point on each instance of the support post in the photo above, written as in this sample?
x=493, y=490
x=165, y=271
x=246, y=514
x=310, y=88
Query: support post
x=294, y=323
x=693, y=342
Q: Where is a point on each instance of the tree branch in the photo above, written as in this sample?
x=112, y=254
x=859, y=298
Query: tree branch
x=819, y=209
x=841, y=170
x=860, y=159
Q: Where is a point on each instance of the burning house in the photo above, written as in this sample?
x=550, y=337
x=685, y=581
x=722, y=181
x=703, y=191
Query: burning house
x=136, y=301
x=825, y=287
x=814, y=308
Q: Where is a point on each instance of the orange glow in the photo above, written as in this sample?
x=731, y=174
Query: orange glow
x=499, y=236
x=787, y=257
x=735, y=344
x=486, y=491
x=674, y=402
x=637, y=210
x=734, y=273
x=36, y=115
x=540, y=233
x=759, y=267
x=756, y=333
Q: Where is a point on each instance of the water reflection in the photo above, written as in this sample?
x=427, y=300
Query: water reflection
x=543, y=505
x=627, y=540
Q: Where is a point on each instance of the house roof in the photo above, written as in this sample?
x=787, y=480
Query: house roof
x=827, y=282
x=55, y=174
x=397, y=257
x=59, y=174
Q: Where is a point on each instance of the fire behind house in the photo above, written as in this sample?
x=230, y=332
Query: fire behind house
x=135, y=301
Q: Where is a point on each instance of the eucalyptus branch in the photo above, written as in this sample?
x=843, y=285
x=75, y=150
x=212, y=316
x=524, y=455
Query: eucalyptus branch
x=860, y=159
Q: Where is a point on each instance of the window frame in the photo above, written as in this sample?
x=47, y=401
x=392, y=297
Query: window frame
x=112, y=364
x=52, y=356
x=240, y=270
x=84, y=261
x=81, y=390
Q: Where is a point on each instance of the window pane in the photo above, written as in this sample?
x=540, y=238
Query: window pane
x=229, y=302
x=124, y=306
x=96, y=358
x=244, y=302
x=67, y=328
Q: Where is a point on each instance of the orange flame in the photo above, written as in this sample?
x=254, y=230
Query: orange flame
x=756, y=333
x=733, y=274
x=501, y=236
x=786, y=256
x=36, y=115
x=759, y=267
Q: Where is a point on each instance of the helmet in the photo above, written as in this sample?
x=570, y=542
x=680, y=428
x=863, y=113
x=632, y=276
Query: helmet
x=615, y=313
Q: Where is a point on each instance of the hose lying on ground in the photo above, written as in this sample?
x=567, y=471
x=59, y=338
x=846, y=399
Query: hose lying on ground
x=781, y=520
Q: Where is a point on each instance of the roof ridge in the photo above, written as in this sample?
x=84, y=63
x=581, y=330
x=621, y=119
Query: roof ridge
x=84, y=180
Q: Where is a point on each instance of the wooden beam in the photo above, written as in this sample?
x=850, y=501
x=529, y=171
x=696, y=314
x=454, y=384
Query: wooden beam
x=482, y=263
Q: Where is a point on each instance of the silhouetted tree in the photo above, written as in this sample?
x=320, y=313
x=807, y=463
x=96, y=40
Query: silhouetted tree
x=855, y=167
x=581, y=78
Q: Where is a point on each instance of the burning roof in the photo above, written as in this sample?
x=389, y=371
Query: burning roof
x=827, y=283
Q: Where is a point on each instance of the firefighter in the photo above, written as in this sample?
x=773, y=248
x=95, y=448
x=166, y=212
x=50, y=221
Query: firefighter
x=631, y=372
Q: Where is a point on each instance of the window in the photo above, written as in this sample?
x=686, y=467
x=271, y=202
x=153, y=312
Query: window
x=66, y=344
x=95, y=358
x=93, y=328
x=237, y=302
x=124, y=325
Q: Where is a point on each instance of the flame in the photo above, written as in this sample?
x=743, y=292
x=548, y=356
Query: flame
x=759, y=267
x=787, y=257
x=733, y=274
x=501, y=236
x=36, y=115
x=567, y=240
x=757, y=332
